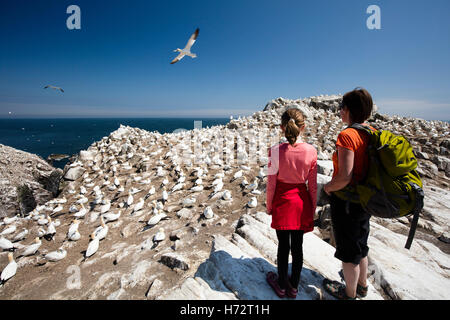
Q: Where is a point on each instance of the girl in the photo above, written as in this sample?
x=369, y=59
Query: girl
x=290, y=202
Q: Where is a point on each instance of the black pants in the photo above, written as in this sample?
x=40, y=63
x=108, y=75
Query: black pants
x=289, y=240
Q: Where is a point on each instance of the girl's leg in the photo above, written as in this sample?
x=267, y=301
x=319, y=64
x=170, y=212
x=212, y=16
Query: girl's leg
x=351, y=276
x=283, y=257
x=297, y=256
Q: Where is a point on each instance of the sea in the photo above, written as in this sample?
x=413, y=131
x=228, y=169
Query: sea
x=44, y=137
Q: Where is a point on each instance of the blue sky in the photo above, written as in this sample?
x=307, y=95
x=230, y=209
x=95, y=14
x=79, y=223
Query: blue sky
x=249, y=52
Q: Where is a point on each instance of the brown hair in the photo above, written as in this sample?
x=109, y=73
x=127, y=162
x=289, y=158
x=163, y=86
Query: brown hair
x=360, y=104
x=292, y=120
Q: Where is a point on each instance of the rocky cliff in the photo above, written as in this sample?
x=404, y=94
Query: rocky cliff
x=185, y=217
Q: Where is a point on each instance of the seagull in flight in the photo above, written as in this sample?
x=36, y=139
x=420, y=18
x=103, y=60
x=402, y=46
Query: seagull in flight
x=187, y=49
x=53, y=87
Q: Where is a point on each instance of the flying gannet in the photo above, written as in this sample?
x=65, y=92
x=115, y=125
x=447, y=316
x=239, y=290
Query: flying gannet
x=187, y=49
x=53, y=87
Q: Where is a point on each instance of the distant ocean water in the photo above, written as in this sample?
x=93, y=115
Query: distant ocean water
x=69, y=136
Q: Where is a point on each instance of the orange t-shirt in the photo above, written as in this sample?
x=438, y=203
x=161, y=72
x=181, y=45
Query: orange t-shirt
x=357, y=141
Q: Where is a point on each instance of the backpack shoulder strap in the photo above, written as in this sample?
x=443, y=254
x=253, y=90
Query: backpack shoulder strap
x=359, y=126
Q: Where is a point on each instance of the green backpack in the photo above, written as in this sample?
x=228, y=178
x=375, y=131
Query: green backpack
x=392, y=187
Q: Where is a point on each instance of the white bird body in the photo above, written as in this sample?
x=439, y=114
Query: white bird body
x=226, y=195
x=81, y=213
x=105, y=207
x=32, y=248
x=116, y=182
x=10, y=269
x=152, y=190
x=73, y=227
x=159, y=236
x=177, y=187
x=109, y=217
x=130, y=199
x=217, y=181
x=186, y=51
x=21, y=236
x=218, y=186
x=8, y=230
x=197, y=188
x=139, y=205
x=189, y=201
x=93, y=246
x=5, y=244
x=102, y=230
x=208, y=212
x=58, y=209
x=238, y=174
x=156, y=218
x=253, y=202
x=7, y=220
x=56, y=255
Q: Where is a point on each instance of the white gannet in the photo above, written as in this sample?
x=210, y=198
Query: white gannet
x=56, y=255
x=5, y=244
x=189, y=202
x=73, y=233
x=226, y=195
x=53, y=87
x=177, y=187
x=51, y=230
x=156, y=218
x=138, y=206
x=217, y=181
x=253, y=186
x=109, y=217
x=7, y=220
x=237, y=175
x=41, y=232
x=106, y=205
x=197, y=188
x=10, y=269
x=21, y=235
x=158, y=237
x=81, y=213
x=187, y=49
x=130, y=199
x=208, y=212
x=252, y=203
x=31, y=249
x=102, y=230
x=165, y=195
x=93, y=246
x=9, y=230
x=58, y=209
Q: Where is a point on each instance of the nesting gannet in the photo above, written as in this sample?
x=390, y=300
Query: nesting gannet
x=130, y=199
x=109, y=217
x=226, y=195
x=8, y=230
x=56, y=255
x=158, y=237
x=5, y=244
x=7, y=220
x=105, y=207
x=198, y=181
x=53, y=87
x=93, y=246
x=237, y=175
x=197, y=188
x=189, y=202
x=156, y=218
x=244, y=182
x=165, y=195
x=208, y=213
x=21, y=235
x=138, y=206
x=41, y=232
x=102, y=230
x=10, y=269
x=164, y=182
x=217, y=181
x=73, y=233
x=81, y=213
x=252, y=203
x=253, y=186
x=187, y=49
x=51, y=230
x=177, y=187
x=31, y=249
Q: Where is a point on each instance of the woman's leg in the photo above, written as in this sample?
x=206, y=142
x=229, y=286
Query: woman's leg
x=283, y=257
x=297, y=256
x=363, y=269
x=351, y=276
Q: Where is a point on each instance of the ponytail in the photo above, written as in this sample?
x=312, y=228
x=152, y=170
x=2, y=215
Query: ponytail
x=293, y=121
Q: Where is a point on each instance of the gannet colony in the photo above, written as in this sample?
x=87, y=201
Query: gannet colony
x=145, y=215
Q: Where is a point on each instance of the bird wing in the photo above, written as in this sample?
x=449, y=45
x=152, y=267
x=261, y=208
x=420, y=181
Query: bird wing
x=46, y=86
x=177, y=58
x=61, y=89
x=192, y=39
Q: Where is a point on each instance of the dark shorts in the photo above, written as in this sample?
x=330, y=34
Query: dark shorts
x=351, y=230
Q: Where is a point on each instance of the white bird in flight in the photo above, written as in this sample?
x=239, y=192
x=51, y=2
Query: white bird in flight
x=187, y=49
x=53, y=87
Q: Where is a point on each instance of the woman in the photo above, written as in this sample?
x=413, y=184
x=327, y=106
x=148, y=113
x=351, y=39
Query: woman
x=290, y=202
x=349, y=220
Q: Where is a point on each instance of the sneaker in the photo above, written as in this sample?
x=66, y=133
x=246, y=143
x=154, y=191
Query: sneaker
x=272, y=279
